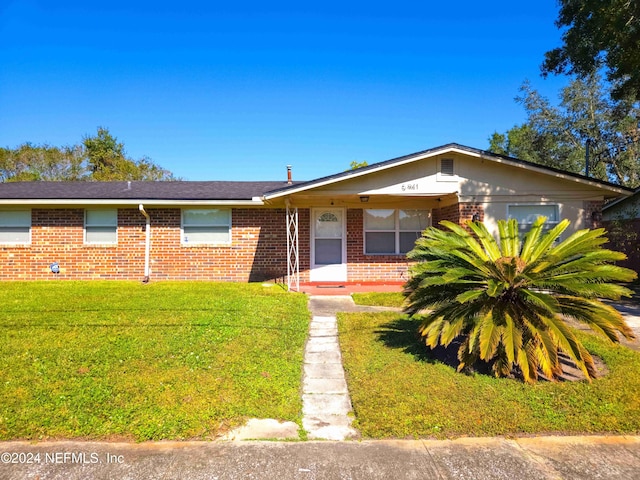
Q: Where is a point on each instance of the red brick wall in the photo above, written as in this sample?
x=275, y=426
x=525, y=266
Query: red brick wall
x=58, y=236
x=451, y=213
x=257, y=251
x=457, y=213
x=593, y=214
x=370, y=268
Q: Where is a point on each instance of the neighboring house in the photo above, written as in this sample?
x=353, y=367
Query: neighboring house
x=621, y=218
x=355, y=226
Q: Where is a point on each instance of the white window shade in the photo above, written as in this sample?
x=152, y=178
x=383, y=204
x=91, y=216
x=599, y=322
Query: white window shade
x=101, y=226
x=393, y=232
x=15, y=226
x=206, y=226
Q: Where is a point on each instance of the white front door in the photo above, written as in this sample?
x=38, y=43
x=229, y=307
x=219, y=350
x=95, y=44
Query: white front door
x=328, y=246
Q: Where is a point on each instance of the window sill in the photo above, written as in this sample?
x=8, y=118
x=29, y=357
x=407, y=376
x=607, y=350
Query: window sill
x=205, y=245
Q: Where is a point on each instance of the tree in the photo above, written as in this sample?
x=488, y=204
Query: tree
x=599, y=35
x=32, y=162
x=104, y=152
x=557, y=136
x=507, y=301
x=107, y=161
x=356, y=164
x=100, y=157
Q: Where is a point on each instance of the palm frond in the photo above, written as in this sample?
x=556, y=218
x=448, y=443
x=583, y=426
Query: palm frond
x=545, y=243
x=511, y=339
x=509, y=238
x=487, y=241
x=598, y=316
x=489, y=336
x=570, y=345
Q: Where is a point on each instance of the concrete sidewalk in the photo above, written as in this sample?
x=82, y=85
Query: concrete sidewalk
x=579, y=458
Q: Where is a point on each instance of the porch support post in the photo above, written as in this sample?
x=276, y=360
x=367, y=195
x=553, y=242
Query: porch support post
x=293, y=259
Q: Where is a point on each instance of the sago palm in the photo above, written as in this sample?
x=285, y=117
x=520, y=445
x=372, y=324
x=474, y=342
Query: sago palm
x=508, y=299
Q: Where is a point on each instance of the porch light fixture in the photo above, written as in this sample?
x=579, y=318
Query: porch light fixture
x=476, y=217
x=364, y=198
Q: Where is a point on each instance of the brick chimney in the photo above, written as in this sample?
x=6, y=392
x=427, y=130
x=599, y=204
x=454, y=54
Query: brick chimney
x=289, y=180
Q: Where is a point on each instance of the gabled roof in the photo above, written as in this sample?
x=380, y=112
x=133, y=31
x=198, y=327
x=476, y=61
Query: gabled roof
x=444, y=149
x=137, y=191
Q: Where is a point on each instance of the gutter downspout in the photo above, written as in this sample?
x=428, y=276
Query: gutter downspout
x=147, y=245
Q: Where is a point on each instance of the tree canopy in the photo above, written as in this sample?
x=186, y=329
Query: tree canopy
x=99, y=158
x=557, y=136
x=599, y=34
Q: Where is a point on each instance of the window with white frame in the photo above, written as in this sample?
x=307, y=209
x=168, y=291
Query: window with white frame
x=101, y=226
x=527, y=214
x=389, y=231
x=206, y=226
x=15, y=226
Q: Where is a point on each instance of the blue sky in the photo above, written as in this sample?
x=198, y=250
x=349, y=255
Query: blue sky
x=213, y=91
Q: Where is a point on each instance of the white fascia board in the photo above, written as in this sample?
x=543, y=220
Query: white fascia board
x=133, y=202
x=592, y=183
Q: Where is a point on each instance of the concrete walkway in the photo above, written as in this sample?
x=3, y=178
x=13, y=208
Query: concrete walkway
x=326, y=407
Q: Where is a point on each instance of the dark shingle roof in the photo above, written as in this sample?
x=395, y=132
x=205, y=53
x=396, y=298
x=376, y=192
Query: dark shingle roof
x=136, y=190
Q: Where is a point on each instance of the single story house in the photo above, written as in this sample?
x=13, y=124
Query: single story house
x=621, y=218
x=354, y=226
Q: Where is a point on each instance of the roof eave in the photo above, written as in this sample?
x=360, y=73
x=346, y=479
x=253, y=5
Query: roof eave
x=129, y=202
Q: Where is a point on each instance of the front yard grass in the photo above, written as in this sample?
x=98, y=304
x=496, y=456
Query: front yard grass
x=399, y=390
x=379, y=299
x=172, y=360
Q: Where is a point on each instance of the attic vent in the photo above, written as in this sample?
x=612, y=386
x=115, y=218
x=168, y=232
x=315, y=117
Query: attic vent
x=446, y=167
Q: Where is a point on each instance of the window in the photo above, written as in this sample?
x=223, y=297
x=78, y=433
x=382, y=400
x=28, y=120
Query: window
x=388, y=231
x=206, y=227
x=328, y=239
x=527, y=214
x=15, y=226
x=101, y=227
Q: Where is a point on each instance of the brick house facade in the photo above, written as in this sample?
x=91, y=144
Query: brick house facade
x=49, y=221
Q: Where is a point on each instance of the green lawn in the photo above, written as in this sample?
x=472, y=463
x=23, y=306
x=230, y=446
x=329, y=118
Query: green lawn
x=399, y=390
x=379, y=299
x=159, y=361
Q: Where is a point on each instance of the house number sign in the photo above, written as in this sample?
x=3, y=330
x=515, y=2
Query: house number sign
x=409, y=187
